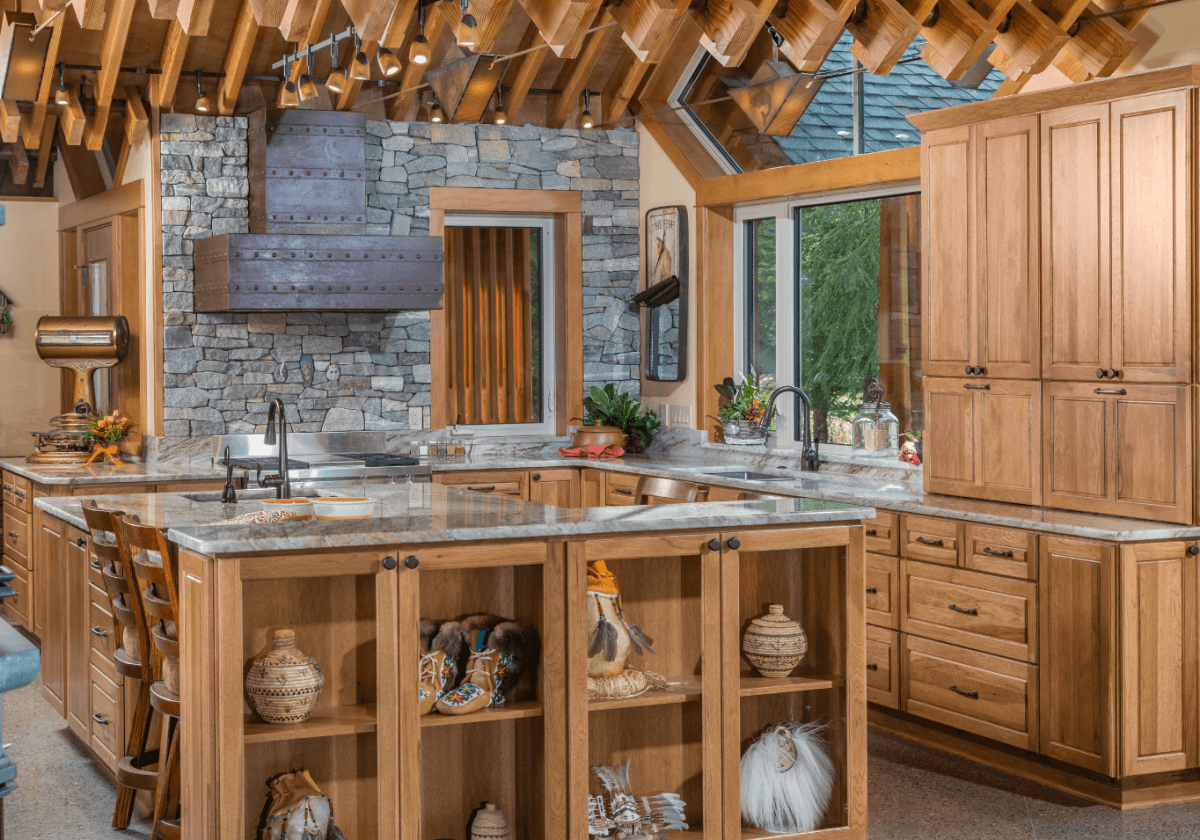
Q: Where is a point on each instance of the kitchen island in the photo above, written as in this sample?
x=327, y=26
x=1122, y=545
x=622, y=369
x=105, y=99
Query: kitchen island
x=355, y=591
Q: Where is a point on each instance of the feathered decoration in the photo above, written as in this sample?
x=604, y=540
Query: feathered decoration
x=640, y=641
x=787, y=779
x=614, y=779
x=604, y=640
x=522, y=643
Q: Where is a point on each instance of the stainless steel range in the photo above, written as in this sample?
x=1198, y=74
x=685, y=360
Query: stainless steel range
x=319, y=459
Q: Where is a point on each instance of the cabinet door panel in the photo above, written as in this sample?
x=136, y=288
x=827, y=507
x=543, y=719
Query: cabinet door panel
x=950, y=429
x=1077, y=457
x=558, y=488
x=950, y=305
x=78, y=644
x=1151, y=296
x=1007, y=254
x=1152, y=441
x=1010, y=442
x=1076, y=273
x=1158, y=658
x=54, y=632
x=1077, y=636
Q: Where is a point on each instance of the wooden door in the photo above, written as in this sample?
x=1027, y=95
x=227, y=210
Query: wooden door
x=950, y=302
x=1151, y=214
x=1124, y=451
x=1007, y=247
x=52, y=585
x=559, y=488
x=591, y=488
x=1078, y=640
x=1075, y=219
x=951, y=426
x=1158, y=657
x=78, y=640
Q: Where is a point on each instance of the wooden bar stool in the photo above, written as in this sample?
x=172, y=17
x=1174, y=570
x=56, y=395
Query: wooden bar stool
x=665, y=491
x=154, y=567
x=138, y=768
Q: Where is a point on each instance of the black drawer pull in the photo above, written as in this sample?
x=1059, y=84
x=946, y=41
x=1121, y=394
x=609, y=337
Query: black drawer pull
x=1120, y=392
x=483, y=489
x=13, y=534
x=624, y=491
x=872, y=666
x=95, y=564
x=958, y=609
x=971, y=387
x=995, y=553
x=870, y=532
x=974, y=695
x=100, y=719
x=20, y=493
x=81, y=542
x=872, y=590
x=100, y=631
x=923, y=541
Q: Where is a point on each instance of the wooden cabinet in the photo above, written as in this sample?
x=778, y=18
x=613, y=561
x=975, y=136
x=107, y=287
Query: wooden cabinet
x=77, y=605
x=1078, y=621
x=513, y=483
x=559, y=488
x=1115, y=240
x=931, y=539
x=591, y=488
x=620, y=488
x=983, y=439
x=881, y=535
x=1124, y=450
x=52, y=589
x=883, y=667
x=1159, y=649
x=883, y=590
x=1001, y=551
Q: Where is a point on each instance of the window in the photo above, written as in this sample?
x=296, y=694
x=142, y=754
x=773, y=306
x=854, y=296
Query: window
x=498, y=311
x=828, y=296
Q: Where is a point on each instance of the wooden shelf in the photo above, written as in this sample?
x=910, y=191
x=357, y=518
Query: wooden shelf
x=324, y=723
x=508, y=711
x=687, y=693
x=758, y=686
x=760, y=834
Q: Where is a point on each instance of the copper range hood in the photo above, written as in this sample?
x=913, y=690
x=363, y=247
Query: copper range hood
x=307, y=248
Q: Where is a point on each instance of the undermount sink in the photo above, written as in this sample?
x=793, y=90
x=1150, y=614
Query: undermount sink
x=257, y=494
x=747, y=475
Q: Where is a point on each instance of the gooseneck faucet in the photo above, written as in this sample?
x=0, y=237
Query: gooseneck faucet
x=810, y=457
x=281, y=482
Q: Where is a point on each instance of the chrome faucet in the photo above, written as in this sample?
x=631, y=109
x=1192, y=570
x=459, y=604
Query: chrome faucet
x=810, y=457
x=281, y=482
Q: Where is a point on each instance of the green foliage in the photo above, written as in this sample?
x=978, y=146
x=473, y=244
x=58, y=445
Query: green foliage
x=764, y=300
x=840, y=296
x=609, y=407
x=747, y=401
x=5, y=318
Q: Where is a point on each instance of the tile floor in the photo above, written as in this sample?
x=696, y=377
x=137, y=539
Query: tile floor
x=915, y=794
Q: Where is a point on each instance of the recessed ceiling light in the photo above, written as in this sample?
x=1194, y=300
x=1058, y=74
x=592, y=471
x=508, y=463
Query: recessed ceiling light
x=843, y=134
x=902, y=136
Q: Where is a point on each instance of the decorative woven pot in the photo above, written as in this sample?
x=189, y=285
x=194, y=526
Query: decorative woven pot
x=597, y=435
x=774, y=644
x=489, y=824
x=285, y=684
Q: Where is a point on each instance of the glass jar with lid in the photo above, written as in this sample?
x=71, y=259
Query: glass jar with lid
x=875, y=430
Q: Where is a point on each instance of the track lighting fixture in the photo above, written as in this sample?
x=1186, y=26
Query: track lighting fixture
x=289, y=97
x=585, y=118
x=389, y=65
x=418, y=51
x=499, y=116
x=308, y=88
x=436, y=114
x=202, y=103
x=60, y=95
x=337, y=74
x=468, y=35
x=360, y=68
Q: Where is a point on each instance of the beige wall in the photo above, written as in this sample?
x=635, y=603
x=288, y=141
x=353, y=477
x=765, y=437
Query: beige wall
x=29, y=388
x=662, y=184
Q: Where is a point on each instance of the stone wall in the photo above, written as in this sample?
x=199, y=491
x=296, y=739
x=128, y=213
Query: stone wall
x=221, y=369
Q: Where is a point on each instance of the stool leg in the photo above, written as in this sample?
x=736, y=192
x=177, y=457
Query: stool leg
x=139, y=736
x=167, y=749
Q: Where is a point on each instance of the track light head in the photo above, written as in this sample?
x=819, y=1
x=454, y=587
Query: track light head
x=60, y=95
x=499, y=116
x=360, y=67
x=436, y=114
x=419, y=52
x=585, y=118
x=337, y=80
x=389, y=65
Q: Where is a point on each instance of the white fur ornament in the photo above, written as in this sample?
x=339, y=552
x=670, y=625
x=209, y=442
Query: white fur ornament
x=787, y=779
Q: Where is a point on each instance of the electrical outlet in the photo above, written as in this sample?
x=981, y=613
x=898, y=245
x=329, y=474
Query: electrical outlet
x=681, y=415
x=664, y=411
x=415, y=416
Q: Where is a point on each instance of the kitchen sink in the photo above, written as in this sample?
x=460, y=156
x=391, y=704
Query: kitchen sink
x=748, y=475
x=257, y=494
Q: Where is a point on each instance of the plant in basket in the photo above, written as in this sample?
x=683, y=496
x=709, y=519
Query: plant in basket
x=742, y=408
x=609, y=407
x=107, y=431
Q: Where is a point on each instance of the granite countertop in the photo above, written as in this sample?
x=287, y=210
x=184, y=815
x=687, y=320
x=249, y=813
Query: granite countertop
x=422, y=513
x=133, y=471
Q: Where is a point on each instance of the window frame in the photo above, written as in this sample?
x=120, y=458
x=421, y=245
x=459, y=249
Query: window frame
x=788, y=289
x=547, y=224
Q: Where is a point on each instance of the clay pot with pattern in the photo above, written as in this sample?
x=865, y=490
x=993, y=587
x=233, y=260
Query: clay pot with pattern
x=285, y=684
x=774, y=644
x=489, y=824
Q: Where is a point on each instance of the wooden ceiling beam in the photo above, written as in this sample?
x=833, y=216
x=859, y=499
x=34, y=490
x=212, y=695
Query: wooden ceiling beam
x=194, y=16
x=490, y=17
x=646, y=24
x=622, y=85
x=237, y=56
x=521, y=72
x=31, y=129
x=90, y=13
x=810, y=30
x=45, y=145
x=316, y=22
x=163, y=9
x=268, y=13
x=958, y=38
x=1096, y=50
x=174, y=50
x=83, y=170
x=882, y=35
x=349, y=94
x=399, y=18
x=10, y=120
x=18, y=162
x=112, y=49
x=729, y=28
x=574, y=75
x=137, y=123
x=563, y=23
x=400, y=107
x=74, y=121
x=302, y=21
x=374, y=18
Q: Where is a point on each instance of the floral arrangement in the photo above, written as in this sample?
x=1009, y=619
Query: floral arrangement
x=609, y=407
x=910, y=451
x=747, y=401
x=108, y=428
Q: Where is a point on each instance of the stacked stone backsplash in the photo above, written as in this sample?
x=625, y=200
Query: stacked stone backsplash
x=219, y=368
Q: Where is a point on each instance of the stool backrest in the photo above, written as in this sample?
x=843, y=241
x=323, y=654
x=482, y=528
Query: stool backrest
x=129, y=619
x=664, y=491
x=154, y=567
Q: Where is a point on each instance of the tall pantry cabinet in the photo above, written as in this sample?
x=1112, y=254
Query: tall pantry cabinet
x=1060, y=269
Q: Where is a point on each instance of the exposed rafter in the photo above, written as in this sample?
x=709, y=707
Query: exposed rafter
x=10, y=120
x=18, y=162
x=574, y=76
x=112, y=49
x=193, y=16
x=174, y=49
x=563, y=23
x=522, y=71
x=241, y=45
x=31, y=129
x=45, y=145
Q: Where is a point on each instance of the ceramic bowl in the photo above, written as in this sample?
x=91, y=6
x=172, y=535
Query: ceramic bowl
x=343, y=508
x=302, y=508
x=593, y=435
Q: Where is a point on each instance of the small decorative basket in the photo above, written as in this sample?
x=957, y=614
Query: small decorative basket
x=285, y=684
x=489, y=824
x=744, y=433
x=775, y=644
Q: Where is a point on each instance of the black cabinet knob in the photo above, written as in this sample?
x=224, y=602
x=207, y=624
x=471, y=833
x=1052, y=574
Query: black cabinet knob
x=411, y=561
x=390, y=563
x=81, y=542
x=714, y=545
x=978, y=370
x=1194, y=550
x=1100, y=373
x=735, y=543
x=1113, y=374
x=537, y=476
x=970, y=370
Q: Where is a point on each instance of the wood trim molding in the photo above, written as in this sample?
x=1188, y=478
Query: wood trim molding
x=4, y=198
x=567, y=208
x=1100, y=90
x=126, y=198
x=873, y=170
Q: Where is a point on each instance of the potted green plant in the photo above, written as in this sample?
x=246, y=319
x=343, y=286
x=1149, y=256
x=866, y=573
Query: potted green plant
x=5, y=321
x=609, y=407
x=742, y=408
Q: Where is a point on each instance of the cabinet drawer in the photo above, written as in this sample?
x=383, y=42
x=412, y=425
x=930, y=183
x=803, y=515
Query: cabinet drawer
x=100, y=629
x=883, y=590
x=501, y=482
x=882, y=534
x=105, y=722
x=883, y=667
x=986, y=695
x=932, y=540
x=1001, y=551
x=620, y=489
x=982, y=612
x=16, y=530
x=22, y=492
x=18, y=605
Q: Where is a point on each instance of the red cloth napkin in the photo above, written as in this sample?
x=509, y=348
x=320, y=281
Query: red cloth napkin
x=599, y=451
